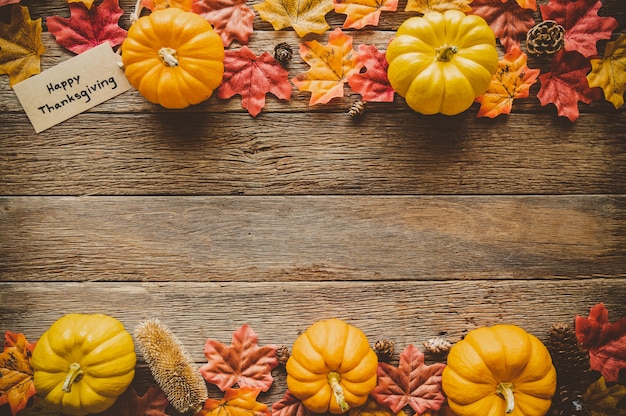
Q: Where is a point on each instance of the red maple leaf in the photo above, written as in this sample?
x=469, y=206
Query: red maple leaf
x=412, y=383
x=566, y=84
x=243, y=362
x=583, y=27
x=252, y=77
x=232, y=19
x=16, y=372
x=88, y=28
x=606, y=342
x=509, y=21
x=290, y=405
x=6, y=2
x=152, y=403
x=372, y=83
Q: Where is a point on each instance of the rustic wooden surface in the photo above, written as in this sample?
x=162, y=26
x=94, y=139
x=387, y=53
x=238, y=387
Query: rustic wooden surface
x=407, y=226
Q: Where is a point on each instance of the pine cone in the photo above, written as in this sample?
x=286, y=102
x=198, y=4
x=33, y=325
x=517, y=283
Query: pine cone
x=283, y=52
x=569, y=359
x=566, y=403
x=384, y=349
x=282, y=353
x=545, y=38
x=357, y=109
x=438, y=347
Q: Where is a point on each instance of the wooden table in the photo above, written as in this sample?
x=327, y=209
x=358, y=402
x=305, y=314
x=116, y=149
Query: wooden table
x=407, y=226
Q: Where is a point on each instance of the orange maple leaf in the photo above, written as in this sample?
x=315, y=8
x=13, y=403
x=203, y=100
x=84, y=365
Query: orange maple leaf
x=424, y=6
x=20, y=43
x=16, y=372
x=305, y=16
x=331, y=66
x=236, y=402
x=512, y=80
x=361, y=13
x=164, y=4
x=526, y=4
x=609, y=73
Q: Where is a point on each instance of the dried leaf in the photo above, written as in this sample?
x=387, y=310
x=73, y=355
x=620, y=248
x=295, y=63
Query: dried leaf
x=372, y=84
x=583, y=27
x=88, y=28
x=290, y=405
x=361, y=13
x=20, y=43
x=412, y=383
x=425, y=6
x=527, y=4
x=152, y=403
x=512, y=80
x=609, y=73
x=236, y=402
x=331, y=66
x=39, y=407
x=305, y=16
x=507, y=19
x=252, y=77
x=87, y=3
x=243, y=362
x=602, y=401
x=231, y=19
x=154, y=5
x=16, y=372
x=373, y=408
x=606, y=342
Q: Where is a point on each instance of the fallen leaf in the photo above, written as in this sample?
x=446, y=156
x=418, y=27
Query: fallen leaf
x=361, y=13
x=305, y=16
x=609, y=73
x=527, y=4
x=583, y=27
x=331, y=66
x=236, y=402
x=605, y=342
x=243, y=362
x=39, y=407
x=507, y=19
x=87, y=3
x=252, y=77
x=231, y=19
x=152, y=403
x=290, y=405
x=20, y=43
x=602, y=401
x=88, y=28
x=512, y=80
x=425, y=6
x=16, y=373
x=372, y=83
x=412, y=383
x=373, y=408
x=154, y=5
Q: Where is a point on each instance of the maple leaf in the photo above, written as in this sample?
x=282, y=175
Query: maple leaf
x=252, y=77
x=425, y=6
x=412, y=382
x=583, y=27
x=231, y=19
x=290, y=405
x=236, y=402
x=20, y=43
x=152, y=403
x=527, y=4
x=566, y=84
x=88, y=28
x=154, y=5
x=372, y=84
x=373, y=408
x=361, y=13
x=609, y=73
x=242, y=363
x=605, y=342
x=305, y=16
x=512, y=80
x=87, y=3
x=331, y=66
x=40, y=407
x=16, y=372
x=602, y=401
x=507, y=19
x=7, y=2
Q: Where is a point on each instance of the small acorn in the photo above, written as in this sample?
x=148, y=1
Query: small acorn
x=283, y=53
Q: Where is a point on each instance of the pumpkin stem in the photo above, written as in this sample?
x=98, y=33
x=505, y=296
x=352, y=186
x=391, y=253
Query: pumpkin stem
x=445, y=53
x=168, y=56
x=333, y=379
x=73, y=376
x=505, y=390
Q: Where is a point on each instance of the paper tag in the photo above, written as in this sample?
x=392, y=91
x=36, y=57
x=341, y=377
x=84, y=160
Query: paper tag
x=72, y=87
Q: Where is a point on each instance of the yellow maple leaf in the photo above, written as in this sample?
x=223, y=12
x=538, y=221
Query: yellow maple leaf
x=236, y=402
x=526, y=4
x=601, y=400
x=425, y=6
x=305, y=16
x=164, y=4
x=331, y=65
x=361, y=13
x=87, y=3
x=609, y=73
x=512, y=80
x=20, y=43
x=16, y=372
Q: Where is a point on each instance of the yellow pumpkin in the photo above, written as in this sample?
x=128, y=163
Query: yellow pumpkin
x=440, y=62
x=499, y=370
x=332, y=367
x=82, y=363
x=173, y=58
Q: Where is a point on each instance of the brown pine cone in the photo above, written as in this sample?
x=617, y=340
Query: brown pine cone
x=384, y=349
x=570, y=360
x=357, y=109
x=568, y=403
x=545, y=38
x=282, y=354
x=283, y=52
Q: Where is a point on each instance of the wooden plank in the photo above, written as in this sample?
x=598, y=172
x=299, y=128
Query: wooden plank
x=362, y=238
